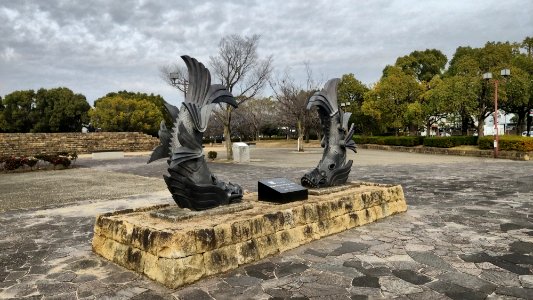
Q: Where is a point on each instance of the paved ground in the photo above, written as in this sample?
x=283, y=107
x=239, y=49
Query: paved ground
x=468, y=233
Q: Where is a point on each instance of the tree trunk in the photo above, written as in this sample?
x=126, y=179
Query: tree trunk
x=480, y=126
x=300, y=136
x=227, y=140
x=519, y=123
x=528, y=123
x=464, y=124
x=227, y=132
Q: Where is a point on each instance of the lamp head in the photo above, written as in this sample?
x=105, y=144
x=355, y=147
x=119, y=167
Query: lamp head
x=487, y=76
x=505, y=73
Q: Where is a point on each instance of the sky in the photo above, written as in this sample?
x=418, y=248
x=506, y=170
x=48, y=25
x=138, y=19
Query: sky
x=97, y=47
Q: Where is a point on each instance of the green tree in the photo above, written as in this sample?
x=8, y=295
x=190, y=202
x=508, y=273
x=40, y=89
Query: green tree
x=424, y=65
x=392, y=101
x=16, y=115
x=466, y=67
x=527, y=44
x=155, y=99
x=353, y=91
x=59, y=110
x=117, y=113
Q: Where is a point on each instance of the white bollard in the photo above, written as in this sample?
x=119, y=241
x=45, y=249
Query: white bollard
x=241, y=152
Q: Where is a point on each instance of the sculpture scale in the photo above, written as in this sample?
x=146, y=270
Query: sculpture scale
x=332, y=168
x=191, y=183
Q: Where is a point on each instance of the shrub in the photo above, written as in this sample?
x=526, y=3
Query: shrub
x=406, y=141
x=73, y=156
x=450, y=141
x=13, y=163
x=507, y=143
x=30, y=161
x=212, y=155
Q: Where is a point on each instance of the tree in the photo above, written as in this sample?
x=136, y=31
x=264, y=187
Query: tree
x=255, y=114
x=119, y=113
x=59, y=110
x=291, y=105
x=447, y=97
x=16, y=115
x=467, y=66
x=527, y=44
x=175, y=75
x=391, y=100
x=353, y=91
x=424, y=65
x=238, y=67
x=157, y=100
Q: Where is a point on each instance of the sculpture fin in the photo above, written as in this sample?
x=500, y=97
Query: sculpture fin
x=326, y=99
x=163, y=150
x=172, y=110
x=345, y=120
x=199, y=81
x=349, y=143
x=159, y=152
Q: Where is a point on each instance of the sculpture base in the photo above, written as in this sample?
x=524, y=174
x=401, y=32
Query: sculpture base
x=175, y=253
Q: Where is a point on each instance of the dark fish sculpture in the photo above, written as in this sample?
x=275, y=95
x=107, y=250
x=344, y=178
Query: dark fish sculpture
x=191, y=183
x=332, y=168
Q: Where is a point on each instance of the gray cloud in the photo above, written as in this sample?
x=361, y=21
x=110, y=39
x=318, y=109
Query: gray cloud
x=95, y=47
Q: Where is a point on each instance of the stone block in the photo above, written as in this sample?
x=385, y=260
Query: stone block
x=220, y=260
x=241, y=152
x=176, y=252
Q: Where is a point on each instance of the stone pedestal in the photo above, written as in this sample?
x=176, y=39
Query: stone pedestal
x=241, y=152
x=179, y=247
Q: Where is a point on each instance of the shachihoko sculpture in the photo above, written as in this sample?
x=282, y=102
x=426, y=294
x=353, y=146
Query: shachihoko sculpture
x=191, y=183
x=332, y=168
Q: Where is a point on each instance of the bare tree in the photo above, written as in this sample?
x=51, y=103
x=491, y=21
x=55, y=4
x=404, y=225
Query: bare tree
x=291, y=100
x=254, y=114
x=239, y=68
x=175, y=75
x=291, y=104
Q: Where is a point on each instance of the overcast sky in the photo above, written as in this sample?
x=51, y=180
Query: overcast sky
x=96, y=47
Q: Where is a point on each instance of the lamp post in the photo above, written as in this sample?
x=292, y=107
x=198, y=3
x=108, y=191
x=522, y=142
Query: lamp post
x=488, y=76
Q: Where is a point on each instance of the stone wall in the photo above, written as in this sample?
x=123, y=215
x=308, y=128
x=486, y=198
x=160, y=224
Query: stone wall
x=36, y=143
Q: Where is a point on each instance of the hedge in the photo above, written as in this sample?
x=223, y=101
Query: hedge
x=507, y=143
x=450, y=141
x=406, y=141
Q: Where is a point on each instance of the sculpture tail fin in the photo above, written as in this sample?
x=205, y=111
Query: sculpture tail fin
x=326, y=99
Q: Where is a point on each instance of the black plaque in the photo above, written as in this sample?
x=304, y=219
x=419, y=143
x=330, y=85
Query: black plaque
x=280, y=190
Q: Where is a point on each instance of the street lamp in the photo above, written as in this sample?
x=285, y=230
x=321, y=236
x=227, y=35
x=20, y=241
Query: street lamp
x=175, y=80
x=345, y=104
x=488, y=76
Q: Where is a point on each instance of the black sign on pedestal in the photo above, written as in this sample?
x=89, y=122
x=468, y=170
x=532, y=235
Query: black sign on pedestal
x=280, y=190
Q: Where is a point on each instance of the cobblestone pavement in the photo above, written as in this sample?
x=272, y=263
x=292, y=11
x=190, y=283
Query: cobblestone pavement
x=468, y=234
